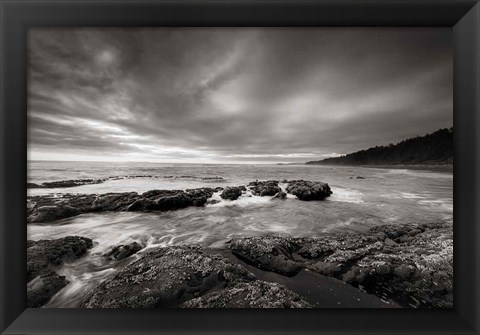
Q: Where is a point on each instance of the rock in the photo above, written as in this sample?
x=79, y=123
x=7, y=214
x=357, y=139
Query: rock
x=389, y=242
x=43, y=287
x=43, y=255
x=256, y=294
x=360, y=177
x=47, y=208
x=52, y=213
x=264, y=188
x=66, y=183
x=71, y=183
x=410, y=264
x=112, y=202
x=231, y=193
x=268, y=253
x=42, y=258
x=166, y=277
x=123, y=251
x=140, y=205
x=308, y=190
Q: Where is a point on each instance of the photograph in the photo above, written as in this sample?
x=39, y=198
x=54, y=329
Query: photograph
x=239, y=167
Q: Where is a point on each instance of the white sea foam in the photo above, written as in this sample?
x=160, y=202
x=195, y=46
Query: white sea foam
x=247, y=199
x=419, y=173
x=444, y=204
x=346, y=195
x=407, y=195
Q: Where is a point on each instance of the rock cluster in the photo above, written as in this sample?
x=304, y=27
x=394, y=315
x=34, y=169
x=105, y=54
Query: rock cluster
x=231, y=193
x=50, y=208
x=47, y=208
x=309, y=190
x=173, y=276
x=264, y=188
x=410, y=264
x=42, y=258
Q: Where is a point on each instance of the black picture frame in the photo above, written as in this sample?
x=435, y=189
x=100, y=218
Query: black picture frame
x=463, y=16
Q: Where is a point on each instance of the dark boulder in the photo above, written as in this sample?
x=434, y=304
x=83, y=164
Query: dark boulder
x=52, y=213
x=166, y=277
x=43, y=287
x=309, y=190
x=46, y=254
x=42, y=258
x=264, y=188
x=267, y=252
x=231, y=193
x=46, y=208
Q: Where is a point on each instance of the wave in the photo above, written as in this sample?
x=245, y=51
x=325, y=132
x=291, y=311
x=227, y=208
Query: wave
x=247, y=199
x=346, y=195
x=419, y=173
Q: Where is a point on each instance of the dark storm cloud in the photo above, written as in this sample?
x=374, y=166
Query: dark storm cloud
x=210, y=95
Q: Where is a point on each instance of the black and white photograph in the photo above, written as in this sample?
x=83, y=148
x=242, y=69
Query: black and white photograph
x=221, y=167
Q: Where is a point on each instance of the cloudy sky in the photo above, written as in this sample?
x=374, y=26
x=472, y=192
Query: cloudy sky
x=233, y=94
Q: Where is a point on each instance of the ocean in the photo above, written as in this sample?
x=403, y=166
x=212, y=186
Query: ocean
x=362, y=197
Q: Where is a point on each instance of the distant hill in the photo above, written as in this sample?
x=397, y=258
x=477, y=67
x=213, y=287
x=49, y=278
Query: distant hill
x=431, y=149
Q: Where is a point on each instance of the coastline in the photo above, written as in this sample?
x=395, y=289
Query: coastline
x=403, y=265
x=390, y=267
x=427, y=167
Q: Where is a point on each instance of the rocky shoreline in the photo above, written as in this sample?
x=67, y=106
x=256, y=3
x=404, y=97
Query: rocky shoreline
x=47, y=208
x=409, y=265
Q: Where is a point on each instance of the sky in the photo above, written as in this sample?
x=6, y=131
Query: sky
x=233, y=95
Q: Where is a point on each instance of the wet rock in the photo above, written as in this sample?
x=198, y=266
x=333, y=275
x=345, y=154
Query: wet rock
x=268, y=253
x=141, y=205
x=166, y=277
x=47, y=208
x=389, y=242
x=42, y=258
x=212, y=178
x=205, y=192
x=71, y=183
x=410, y=264
x=123, y=251
x=309, y=190
x=264, y=188
x=65, y=183
x=231, y=193
x=52, y=213
x=256, y=294
x=45, y=254
x=112, y=202
x=43, y=287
